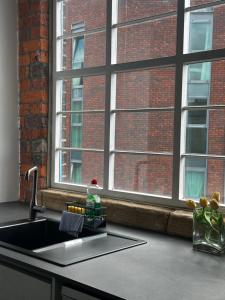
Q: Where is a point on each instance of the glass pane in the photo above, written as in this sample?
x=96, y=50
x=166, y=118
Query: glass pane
x=199, y=72
x=80, y=52
x=153, y=39
x=137, y=9
x=145, y=174
x=77, y=105
x=197, y=117
x=144, y=131
x=197, y=91
x=205, y=83
x=203, y=29
x=76, y=155
x=146, y=88
x=83, y=93
x=205, y=132
x=74, y=13
x=76, y=175
x=85, y=130
x=203, y=177
x=196, y=139
x=80, y=167
x=76, y=136
x=77, y=53
x=195, y=178
x=200, y=31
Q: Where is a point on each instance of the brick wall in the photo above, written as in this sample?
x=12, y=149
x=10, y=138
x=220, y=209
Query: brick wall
x=33, y=84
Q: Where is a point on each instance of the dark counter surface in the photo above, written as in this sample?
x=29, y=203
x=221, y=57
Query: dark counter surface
x=166, y=268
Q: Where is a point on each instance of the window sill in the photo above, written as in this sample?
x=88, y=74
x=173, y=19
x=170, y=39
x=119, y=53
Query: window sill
x=143, y=216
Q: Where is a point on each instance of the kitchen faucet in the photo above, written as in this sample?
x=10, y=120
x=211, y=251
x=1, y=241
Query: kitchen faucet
x=34, y=208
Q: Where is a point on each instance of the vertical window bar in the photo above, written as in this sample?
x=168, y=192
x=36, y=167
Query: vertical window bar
x=112, y=131
x=178, y=100
x=107, y=96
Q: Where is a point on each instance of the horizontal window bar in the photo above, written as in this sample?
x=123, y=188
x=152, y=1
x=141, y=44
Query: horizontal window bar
x=130, y=66
x=81, y=33
x=142, y=109
x=203, y=56
x=197, y=126
x=222, y=157
x=78, y=149
x=145, y=64
x=141, y=152
x=203, y=107
x=205, y=5
x=144, y=20
x=76, y=124
x=198, y=81
x=188, y=58
x=80, y=72
x=80, y=111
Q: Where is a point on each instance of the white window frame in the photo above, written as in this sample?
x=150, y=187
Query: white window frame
x=207, y=13
x=109, y=71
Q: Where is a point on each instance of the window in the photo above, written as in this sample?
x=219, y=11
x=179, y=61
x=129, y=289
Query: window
x=138, y=94
x=201, y=31
x=195, y=178
x=198, y=93
x=78, y=46
x=76, y=129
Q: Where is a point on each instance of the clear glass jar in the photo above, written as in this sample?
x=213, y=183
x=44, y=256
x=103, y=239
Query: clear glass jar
x=208, y=230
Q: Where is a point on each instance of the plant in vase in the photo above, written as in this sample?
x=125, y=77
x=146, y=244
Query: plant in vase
x=208, y=225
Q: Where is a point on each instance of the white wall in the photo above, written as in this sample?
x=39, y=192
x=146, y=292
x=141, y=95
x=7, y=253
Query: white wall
x=9, y=135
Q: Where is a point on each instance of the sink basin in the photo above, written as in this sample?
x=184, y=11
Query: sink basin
x=36, y=234
x=42, y=239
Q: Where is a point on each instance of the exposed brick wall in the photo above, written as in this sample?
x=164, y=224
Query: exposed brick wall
x=33, y=84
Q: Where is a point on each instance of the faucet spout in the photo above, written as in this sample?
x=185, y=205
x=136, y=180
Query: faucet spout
x=34, y=208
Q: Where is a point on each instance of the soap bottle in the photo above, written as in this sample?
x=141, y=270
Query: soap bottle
x=93, y=199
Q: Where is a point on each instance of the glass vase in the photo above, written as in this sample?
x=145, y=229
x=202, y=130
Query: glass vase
x=208, y=231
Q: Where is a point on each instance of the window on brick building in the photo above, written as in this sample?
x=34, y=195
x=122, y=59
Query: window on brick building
x=77, y=46
x=195, y=178
x=201, y=30
x=76, y=128
x=138, y=98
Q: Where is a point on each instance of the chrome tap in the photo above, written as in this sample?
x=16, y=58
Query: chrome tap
x=34, y=208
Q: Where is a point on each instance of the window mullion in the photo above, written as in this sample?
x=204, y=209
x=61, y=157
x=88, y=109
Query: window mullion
x=107, y=96
x=178, y=99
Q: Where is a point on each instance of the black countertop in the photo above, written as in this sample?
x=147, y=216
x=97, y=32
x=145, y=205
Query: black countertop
x=166, y=268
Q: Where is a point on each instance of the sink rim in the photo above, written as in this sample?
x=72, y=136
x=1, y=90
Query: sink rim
x=31, y=252
x=23, y=222
x=64, y=262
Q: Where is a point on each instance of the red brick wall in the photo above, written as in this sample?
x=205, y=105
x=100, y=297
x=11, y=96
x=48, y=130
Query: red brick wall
x=33, y=85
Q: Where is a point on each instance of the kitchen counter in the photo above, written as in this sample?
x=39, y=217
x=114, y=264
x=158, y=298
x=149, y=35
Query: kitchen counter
x=166, y=268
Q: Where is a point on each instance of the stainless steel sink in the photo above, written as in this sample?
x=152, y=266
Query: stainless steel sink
x=42, y=239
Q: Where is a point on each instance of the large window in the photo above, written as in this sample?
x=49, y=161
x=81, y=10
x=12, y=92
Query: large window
x=139, y=98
